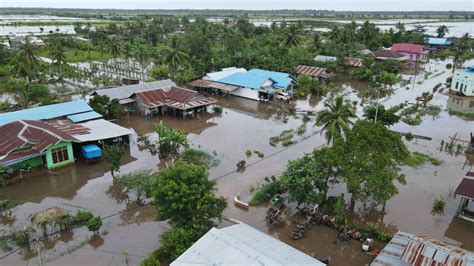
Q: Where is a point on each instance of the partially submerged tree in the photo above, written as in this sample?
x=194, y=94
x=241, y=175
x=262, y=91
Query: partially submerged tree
x=112, y=156
x=137, y=182
x=386, y=116
x=184, y=196
x=170, y=139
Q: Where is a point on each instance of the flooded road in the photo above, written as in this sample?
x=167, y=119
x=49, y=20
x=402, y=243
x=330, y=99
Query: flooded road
x=129, y=231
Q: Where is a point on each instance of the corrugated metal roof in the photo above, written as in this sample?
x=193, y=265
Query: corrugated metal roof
x=353, y=62
x=25, y=138
x=406, y=249
x=101, y=129
x=325, y=58
x=225, y=72
x=175, y=97
x=46, y=112
x=245, y=80
x=222, y=86
x=200, y=83
x=439, y=41
x=127, y=91
x=84, y=116
x=408, y=47
x=282, y=80
x=314, y=71
x=385, y=53
x=241, y=244
x=466, y=188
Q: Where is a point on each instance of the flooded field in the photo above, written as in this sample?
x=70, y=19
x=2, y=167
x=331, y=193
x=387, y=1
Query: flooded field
x=130, y=232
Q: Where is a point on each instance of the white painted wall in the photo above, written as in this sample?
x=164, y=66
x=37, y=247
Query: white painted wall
x=246, y=93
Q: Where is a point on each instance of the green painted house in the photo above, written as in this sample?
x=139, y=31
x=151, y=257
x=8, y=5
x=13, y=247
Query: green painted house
x=26, y=143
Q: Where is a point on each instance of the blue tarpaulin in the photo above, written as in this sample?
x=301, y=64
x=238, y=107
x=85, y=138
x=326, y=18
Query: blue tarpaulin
x=91, y=151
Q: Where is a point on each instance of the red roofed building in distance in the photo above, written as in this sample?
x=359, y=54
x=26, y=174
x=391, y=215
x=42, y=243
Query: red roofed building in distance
x=413, y=52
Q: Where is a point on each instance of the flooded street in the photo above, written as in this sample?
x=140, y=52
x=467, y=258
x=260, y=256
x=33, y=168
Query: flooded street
x=130, y=233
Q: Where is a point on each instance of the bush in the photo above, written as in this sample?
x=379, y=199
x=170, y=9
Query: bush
x=449, y=66
x=83, y=216
x=248, y=153
x=417, y=158
x=287, y=143
x=259, y=154
x=217, y=109
x=4, y=245
x=438, y=205
x=94, y=224
x=199, y=157
x=409, y=136
x=266, y=192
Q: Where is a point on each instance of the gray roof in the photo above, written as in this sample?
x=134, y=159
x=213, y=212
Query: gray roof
x=241, y=244
x=325, y=58
x=124, y=92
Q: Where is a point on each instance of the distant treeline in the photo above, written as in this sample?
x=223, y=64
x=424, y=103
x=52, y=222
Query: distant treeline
x=124, y=13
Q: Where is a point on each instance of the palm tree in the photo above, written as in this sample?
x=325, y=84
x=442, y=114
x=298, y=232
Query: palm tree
x=57, y=53
x=442, y=30
x=335, y=33
x=368, y=31
x=292, y=36
x=175, y=57
x=142, y=55
x=26, y=62
x=114, y=48
x=336, y=118
x=316, y=43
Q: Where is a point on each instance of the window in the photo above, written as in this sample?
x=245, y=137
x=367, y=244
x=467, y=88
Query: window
x=456, y=87
x=60, y=154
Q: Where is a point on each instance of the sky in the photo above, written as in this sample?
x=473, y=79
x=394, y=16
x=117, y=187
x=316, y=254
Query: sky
x=338, y=5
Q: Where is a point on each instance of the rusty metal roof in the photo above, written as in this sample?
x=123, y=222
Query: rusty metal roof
x=200, y=83
x=25, y=138
x=222, y=86
x=407, y=249
x=466, y=188
x=353, y=62
x=175, y=97
x=384, y=53
x=314, y=71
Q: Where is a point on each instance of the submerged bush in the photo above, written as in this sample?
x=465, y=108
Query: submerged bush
x=438, y=205
x=94, y=224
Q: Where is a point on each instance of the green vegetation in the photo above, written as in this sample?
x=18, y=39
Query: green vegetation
x=112, y=156
x=259, y=154
x=4, y=245
x=184, y=196
x=137, y=182
x=386, y=116
x=336, y=118
x=438, y=205
x=417, y=158
x=285, y=135
x=273, y=186
x=409, y=136
x=248, y=153
x=460, y=113
x=110, y=109
x=170, y=140
x=199, y=157
x=83, y=217
x=94, y=224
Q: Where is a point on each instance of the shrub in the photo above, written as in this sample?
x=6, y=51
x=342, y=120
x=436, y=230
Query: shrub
x=418, y=158
x=259, y=154
x=449, y=66
x=83, y=216
x=248, y=153
x=266, y=192
x=217, y=109
x=287, y=143
x=94, y=224
x=4, y=245
x=438, y=205
x=409, y=136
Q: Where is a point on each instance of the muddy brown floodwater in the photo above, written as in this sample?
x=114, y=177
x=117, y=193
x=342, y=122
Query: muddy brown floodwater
x=130, y=233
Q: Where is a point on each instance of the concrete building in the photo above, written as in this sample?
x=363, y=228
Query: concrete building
x=413, y=52
x=241, y=244
x=463, y=82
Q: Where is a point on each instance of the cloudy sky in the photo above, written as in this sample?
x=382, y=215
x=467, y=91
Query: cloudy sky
x=355, y=5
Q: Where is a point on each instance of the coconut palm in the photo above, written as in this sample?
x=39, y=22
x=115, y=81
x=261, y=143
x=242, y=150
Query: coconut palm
x=292, y=36
x=114, y=47
x=174, y=57
x=442, y=30
x=57, y=53
x=26, y=62
x=336, y=118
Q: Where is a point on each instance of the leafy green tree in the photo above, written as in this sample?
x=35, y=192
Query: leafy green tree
x=115, y=47
x=137, y=182
x=442, y=31
x=160, y=72
x=110, y=109
x=176, y=241
x=335, y=118
x=185, y=76
x=388, y=79
x=371, y=155
x=386, y=117
x=112, y=156
x=184, y=196
x=25, y=92
x=170, y=139
x=94, y=224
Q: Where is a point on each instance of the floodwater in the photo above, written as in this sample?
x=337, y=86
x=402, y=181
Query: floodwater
x=130, y=232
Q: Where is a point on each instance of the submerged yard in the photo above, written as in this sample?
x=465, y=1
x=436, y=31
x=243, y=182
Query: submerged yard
x=130, y=232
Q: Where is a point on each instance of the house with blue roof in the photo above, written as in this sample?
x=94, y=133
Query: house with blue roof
x=258, y=84
x=438, y=42
x=463, y=82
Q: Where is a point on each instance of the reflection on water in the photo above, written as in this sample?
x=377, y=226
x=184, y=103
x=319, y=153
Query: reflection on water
x=459, y=105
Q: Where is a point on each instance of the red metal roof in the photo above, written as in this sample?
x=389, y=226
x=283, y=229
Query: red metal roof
x=175, y=97
x=200, y=83
x=353, y=62
x=466, y=188
x=314, y=71
x=24, y=138
x=408, y=47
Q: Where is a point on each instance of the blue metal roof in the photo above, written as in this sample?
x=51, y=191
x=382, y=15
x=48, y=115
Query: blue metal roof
x=282, y=80
x=46, y=112
x=246, y=80
x=438, y=41
x=84, y=116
